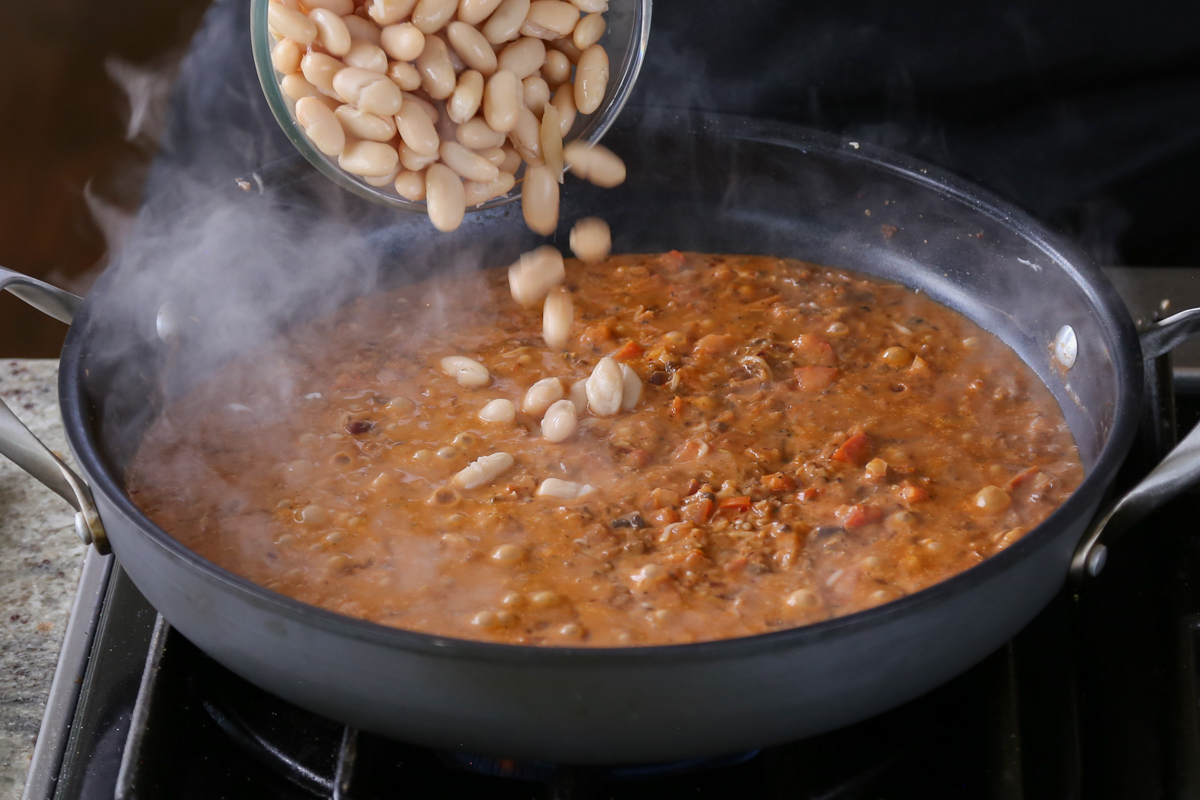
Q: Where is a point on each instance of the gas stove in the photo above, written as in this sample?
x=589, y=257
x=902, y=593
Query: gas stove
x=1098, y=697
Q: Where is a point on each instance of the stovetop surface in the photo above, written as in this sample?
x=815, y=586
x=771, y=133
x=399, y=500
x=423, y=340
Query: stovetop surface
x=1096, y=698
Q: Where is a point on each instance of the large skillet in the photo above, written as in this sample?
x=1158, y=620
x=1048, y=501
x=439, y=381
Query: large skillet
x=695, y=183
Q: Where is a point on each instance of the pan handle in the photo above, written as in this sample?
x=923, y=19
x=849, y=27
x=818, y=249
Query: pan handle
x=1179, y=471
x=19, y=445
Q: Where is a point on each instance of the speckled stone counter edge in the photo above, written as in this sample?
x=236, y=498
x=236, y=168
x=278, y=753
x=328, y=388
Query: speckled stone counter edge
x=40, y=559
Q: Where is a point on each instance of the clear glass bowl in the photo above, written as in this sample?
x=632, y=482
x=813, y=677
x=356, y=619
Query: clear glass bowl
x=625, y=39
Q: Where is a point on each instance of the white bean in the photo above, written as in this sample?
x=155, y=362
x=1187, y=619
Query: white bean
x=467, y=97
x=320, y=126
x=404, y=75
x=553, y=487
x=591, y=240
x=542, y=395
x=320, y=70
x=595, y=163
x=559, y=421
x=432, y=15
x=589, y=31
x=413, y=161
x=631, y=388
x=523, y=57
x=474, y=12
x=556, y=70
x=476, y=134
x=505, y=22
x=557, y=315
x=549, y=19
x=410, y=185
x=365, y=126
x=476, y=193
x=501, y=410
x=591, y=6
x=416, y=129
x=296, y=86
x=535, y=273
x=429, y=108
x=484, y=470
x=501, y=103
x=539, y=199
x=493, y=154
x=292, y=24
x=591, y=79
x=385, y=12
x=552, y=145
x=339, y=7
x=471, y=47
x=564, y=101
x=526, y=137
x=369, y=91
x=567, y=48
x=468, y=163
x=578, y=396
x=285, y=56
x=437, y=73
x=444, y=197
x=382, y=180
x=331, y=31
x=535, y=93
x=605, y=388
x=512, y=160
x=369, y=159
x=364, y=55
x=467, y=371
x=403, y=42
x=362, y=30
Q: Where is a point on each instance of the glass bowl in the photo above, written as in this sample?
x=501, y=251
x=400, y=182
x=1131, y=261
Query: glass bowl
x=625, y=39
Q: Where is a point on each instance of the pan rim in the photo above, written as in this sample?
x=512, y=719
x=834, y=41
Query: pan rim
x=1099, y=292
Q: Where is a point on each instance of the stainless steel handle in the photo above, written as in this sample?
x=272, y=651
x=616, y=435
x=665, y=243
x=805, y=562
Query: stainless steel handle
x=1179, y=471
x=19, y=445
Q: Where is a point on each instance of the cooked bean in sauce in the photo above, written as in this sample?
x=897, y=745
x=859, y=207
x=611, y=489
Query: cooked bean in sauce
x=726, y=445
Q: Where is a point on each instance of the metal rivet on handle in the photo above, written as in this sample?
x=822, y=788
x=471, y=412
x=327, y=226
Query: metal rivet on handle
x=81, y=528
x=1066, y=346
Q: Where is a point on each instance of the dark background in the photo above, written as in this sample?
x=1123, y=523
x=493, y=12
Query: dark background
x=1088, y=115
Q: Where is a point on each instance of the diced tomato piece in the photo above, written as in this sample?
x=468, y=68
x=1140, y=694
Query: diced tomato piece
x=855, y=450
x=596, y=335
x=663, y=516
x=1023, y=477
x=699, y=509
x=628, y=351
x=740, y=503
x=777, y=482
x=815, y=351
x=673, y=260
x=856, y=516
x=677, y=407
x=913, y=494
x=808, y=495
x=815, y=379
x=692, y=487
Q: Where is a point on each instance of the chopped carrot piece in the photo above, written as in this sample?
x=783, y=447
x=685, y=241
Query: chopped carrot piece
x=628, y=350
x=808, y=495
x=855, y=450
x=777, y=482
x=815, y=379
x=913, y=494
x=663, y=516
x=856, y=516
x=677, y=407
x=596, y=335
x=741, y=503
x=692, y=487
x=699, y=509
x=815, y=351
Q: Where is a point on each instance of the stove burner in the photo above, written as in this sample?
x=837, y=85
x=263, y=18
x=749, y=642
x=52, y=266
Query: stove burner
x=545, y=772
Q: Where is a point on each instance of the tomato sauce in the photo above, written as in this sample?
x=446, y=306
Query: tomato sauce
x=808, y=443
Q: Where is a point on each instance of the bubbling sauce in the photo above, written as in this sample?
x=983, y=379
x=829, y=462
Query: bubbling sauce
x=806, y=443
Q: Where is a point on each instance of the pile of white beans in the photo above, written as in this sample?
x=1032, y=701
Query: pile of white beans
x=445, y=100
x=612, y=387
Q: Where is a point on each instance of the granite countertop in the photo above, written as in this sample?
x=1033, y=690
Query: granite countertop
x=40, y=561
